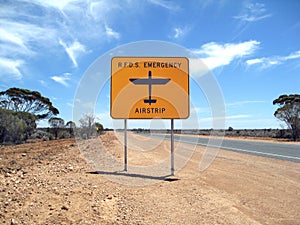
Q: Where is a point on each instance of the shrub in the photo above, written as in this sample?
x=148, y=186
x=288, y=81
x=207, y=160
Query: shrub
x=15, y=127
x=64, y=134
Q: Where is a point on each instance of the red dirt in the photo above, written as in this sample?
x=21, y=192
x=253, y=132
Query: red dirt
x=51, y=183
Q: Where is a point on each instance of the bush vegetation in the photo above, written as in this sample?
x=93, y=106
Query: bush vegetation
x=16, y=127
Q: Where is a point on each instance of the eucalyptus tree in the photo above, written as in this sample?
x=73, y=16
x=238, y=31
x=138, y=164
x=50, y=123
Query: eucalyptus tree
x=289, y=112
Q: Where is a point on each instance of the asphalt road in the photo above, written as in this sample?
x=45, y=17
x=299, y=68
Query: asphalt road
x=289, y=152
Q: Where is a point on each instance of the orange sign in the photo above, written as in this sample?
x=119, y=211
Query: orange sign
x=149, y=87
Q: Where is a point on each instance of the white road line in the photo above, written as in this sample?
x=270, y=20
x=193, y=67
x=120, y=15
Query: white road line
x=237, y=149
x=242, y=150
x=262, y=153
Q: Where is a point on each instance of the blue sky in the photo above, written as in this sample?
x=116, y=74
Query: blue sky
x=251, y=47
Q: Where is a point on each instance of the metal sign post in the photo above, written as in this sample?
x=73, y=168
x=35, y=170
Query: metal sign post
x=125, y=145
x=172, y=147
x=167, y=81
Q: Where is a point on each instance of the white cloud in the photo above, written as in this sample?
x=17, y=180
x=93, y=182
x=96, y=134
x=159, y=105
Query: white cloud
x=215, y=55
x=165, y=4
x=207, y=122
x=11, y=67
x=208, y=119
x=73, y=50
x=253, y=12
x=12, y=38
x=111, y=33
x=241, y=103
x=103, y=10
x=266, y=62
x=294, y=55
x=25, y=36
x=238, y=116
x=19, y=41
x=59, y=4
x=180, y=32
x=62, y=79
x=29, y=27
x=43, y=83
x=87, y=21
x=254, y=61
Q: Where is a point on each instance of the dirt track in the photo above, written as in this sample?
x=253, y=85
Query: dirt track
x=51, y=183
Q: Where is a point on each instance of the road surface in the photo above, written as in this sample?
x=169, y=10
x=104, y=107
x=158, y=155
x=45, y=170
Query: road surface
x=289, y=152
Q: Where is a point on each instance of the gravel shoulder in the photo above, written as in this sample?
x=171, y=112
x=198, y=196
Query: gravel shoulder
x=52, y=183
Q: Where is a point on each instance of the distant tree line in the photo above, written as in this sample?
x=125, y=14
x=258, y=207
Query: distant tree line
x=88, y=128
x=21, y=109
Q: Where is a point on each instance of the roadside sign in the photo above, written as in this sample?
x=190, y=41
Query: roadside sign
x=149, y=87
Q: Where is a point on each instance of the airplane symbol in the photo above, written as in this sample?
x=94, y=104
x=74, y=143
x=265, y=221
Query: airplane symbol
x=150, y=81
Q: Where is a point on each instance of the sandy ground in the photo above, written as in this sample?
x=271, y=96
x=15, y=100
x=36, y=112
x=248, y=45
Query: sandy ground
x=52, y=183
